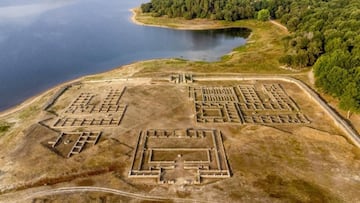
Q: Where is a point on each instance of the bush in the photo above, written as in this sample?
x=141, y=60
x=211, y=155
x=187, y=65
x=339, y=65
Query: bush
x=263, y=15
x=4, y=127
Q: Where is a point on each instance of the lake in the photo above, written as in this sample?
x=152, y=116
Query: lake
x=45, y=42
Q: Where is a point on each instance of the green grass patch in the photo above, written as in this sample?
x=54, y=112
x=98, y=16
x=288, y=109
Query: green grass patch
x=225, y=57
x=28, y=112
x=4, y=127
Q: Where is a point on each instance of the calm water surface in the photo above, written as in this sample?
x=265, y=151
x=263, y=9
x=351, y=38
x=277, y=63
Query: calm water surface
x=46, y=42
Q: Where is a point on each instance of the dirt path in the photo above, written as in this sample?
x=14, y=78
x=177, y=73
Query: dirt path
x=311, y=77
x=279, y=25
x=65, y=190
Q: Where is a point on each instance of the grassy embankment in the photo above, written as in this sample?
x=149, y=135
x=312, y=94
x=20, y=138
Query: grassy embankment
x=259, y=56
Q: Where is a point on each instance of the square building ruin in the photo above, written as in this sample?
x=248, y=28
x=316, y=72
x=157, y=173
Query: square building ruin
x=179, y=156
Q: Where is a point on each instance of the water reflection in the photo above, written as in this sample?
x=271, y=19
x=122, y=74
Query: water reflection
x=26, y=12
x=206, y=39
x=64, y=39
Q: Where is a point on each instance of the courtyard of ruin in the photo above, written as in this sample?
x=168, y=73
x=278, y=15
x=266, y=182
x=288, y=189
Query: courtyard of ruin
x=180, y=156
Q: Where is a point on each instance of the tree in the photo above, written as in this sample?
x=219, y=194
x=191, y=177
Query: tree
x=146, y=8
x=263, y=15
x=287, y=60
x=350, y=100
x=293, y=23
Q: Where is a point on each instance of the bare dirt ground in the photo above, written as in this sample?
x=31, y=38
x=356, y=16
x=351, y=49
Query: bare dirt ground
x=269, y=162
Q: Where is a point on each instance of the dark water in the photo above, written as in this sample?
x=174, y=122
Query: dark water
x=46, y=42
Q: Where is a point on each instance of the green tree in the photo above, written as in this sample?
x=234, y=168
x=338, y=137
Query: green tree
x=263, y=15
x=146, y=8
x=350, y=100
x=287, y=59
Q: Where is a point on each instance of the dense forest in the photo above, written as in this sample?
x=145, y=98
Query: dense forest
x=324, y=34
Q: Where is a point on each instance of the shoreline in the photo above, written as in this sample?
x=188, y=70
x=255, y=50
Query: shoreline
x=136, y=22
x=135, y=11
x=133, y=19
x=31, y=100
x=27, y=102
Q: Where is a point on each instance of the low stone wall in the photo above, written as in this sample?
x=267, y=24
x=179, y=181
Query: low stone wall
x=351, y=133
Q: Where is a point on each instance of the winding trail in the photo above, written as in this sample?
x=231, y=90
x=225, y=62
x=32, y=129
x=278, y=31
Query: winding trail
x=311, y=77
x=279, y=25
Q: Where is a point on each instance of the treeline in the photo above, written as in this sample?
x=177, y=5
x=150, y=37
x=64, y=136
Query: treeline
x=229, y=10
x=325, y=34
